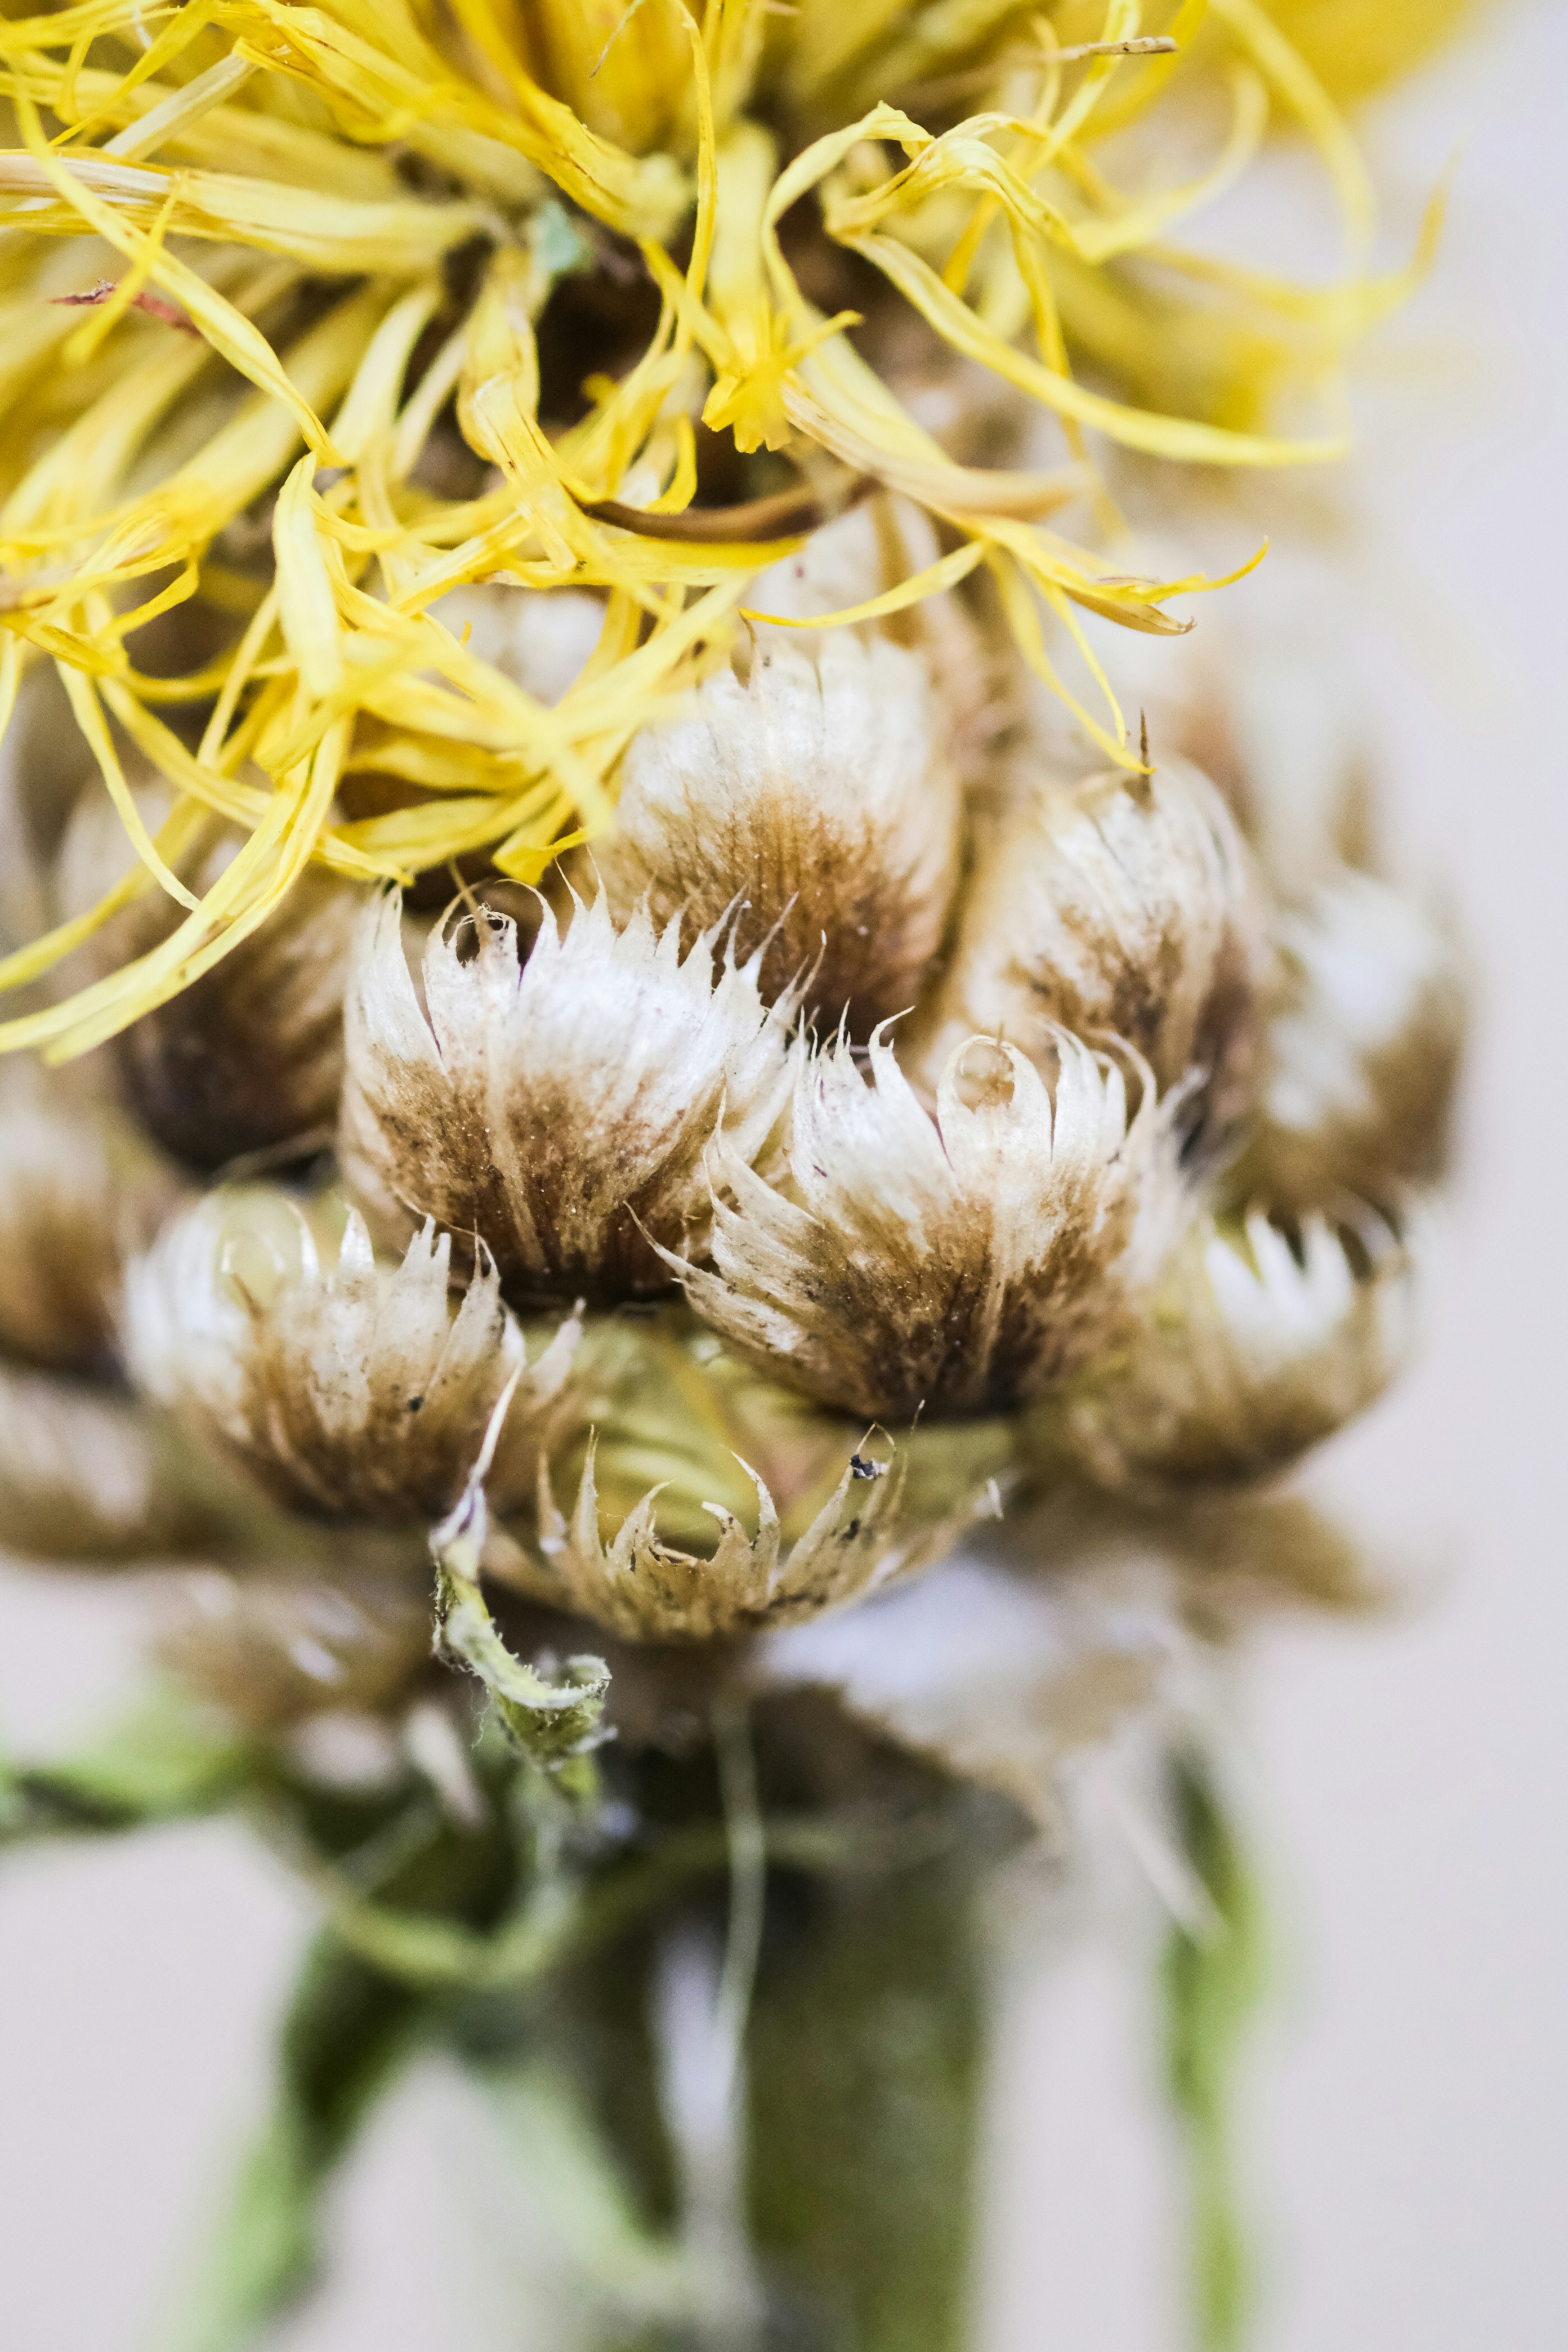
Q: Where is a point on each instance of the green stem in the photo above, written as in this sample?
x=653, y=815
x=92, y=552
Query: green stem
x=1211, y=1978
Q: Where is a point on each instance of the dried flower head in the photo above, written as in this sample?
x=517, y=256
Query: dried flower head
x=80, y=1190
x=248, y=1058
x=1363, y=1053
x=646, y=1588
x=1121, y=907
x=559, y=1106
x=706, y=1500
x=1262, y=1342
x=90, y=1477
x=272, y=1651
x=816, y=794
x=857, y=559
x=663, y=1405
x=352, y=1391
x=952, y=1267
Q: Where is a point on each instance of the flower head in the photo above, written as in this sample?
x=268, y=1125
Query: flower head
x=249, y=1056
x=89, y=1475
x=274, y=1650
x=558, y=1106
x=80, y=1190
x=954, y=1266
x=815, y=796
x=1123, y=907
x=352, y=1391
x=1262, y=1342
x=645, y=1587
x=1363, y=1052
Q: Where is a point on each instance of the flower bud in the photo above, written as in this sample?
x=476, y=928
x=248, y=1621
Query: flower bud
x=1363, y=1053
x=644, y=1589
x=854, y=559
x=353, y=1393
x=89, y=1477
x=1260, y=1343
x=815, y=795
x=559, y=1108
x=1125, y=906
x=273, y=1650
x=250, y=1055
x=79, y=1193
x=958, y=1267
x=685, y=1448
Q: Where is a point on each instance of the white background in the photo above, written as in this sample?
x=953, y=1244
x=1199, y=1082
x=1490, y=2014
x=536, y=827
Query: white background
x=1410, y=2098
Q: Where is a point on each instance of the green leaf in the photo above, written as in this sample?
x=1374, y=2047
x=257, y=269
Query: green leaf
x=1212, y=1976
x=169, y=1758
x=347, y=2034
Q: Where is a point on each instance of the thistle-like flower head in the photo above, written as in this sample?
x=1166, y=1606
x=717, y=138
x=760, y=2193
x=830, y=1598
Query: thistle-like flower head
x=81, y=1192
x=1262, y=1342
x=815, y=793
x=273, y=1650
x=351, y=1390
x=1364, y=1051
x=558, y=1106
x=249, y=1057
x=954, y=1266
x=1125, y=906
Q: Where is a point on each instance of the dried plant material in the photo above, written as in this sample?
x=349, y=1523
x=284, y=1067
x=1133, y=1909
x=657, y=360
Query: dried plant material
x=1123, y=907
x=1262, y=1342
x=560, y=1107
x=1363, y=1053
x=272, y=1650
x=954, y=1267
x=1238, y=1555
x=646, y=1590
x=91, y=1479
x=353, y=1391
x=663, y=1402
x=815, y=796
x=81, y=1192
x=249, y=1059
x=999, y=1679
x=857, y=560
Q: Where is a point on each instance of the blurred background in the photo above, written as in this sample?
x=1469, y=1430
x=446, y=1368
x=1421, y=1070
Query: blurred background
x=1406, y=2100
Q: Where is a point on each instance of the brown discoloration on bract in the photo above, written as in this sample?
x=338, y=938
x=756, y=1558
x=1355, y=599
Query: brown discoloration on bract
x=1122, y=908
x=559, y=1108
x=955, y=1268
x=815, y=796
x=353, y=1391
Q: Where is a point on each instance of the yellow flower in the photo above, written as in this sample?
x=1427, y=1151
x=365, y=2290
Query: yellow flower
x=459, y=296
